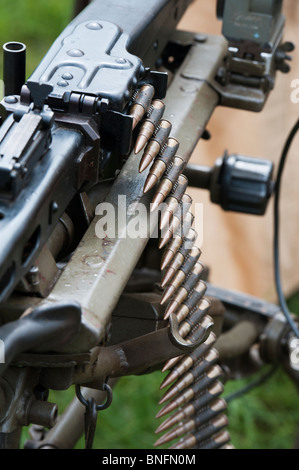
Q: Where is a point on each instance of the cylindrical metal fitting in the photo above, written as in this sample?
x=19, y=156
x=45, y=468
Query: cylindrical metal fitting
x=42, y=413
x=14, y=67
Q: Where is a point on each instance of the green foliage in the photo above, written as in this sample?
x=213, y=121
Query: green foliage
x=130, y=422
x=267, y=417
x=37, y=24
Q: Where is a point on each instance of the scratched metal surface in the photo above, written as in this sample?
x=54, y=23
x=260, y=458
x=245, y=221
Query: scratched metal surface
x=101, y=267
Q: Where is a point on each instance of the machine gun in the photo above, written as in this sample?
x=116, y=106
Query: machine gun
x=90, y=177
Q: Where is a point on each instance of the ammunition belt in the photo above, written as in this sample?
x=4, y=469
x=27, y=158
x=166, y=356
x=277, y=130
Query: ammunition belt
x=198, y=417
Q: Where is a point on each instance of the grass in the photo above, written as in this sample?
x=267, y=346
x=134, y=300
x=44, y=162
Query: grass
x=266, y=418
x=37, y=24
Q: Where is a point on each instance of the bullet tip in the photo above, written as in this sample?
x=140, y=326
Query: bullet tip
x=166, y=316
x=135, y=122
x=163, y=242
x=166, y=219
x=171, y=363
x=167, y=277
x=172, y=307
x=167, y=295
x=168, y=380
x=150, y=183
x=140, y=144
x=159, y=442
x=167, y=423
x=158, y=199
x=145, y=162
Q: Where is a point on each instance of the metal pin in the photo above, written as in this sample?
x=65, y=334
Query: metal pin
x=141, y=103
x=148, y=127
x=211, y=428
x=155, y=144
x=182, y=293
x=199, y=419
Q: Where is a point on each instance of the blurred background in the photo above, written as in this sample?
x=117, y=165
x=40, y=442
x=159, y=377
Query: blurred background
x=237, y=249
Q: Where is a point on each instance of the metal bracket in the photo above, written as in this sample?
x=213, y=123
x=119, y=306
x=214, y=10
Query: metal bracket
x=246, y=86
x=182, y=344
x=137, y=356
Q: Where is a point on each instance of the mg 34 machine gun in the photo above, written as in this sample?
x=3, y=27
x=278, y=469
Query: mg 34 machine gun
x=100, y=275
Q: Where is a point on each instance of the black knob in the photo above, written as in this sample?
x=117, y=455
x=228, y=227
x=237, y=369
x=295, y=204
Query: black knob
x=242, y=184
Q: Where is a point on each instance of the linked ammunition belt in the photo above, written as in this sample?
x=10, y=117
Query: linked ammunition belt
x=198, y=419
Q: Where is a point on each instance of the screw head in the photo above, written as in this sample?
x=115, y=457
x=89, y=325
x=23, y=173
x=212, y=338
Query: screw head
x=11, y=99
x=94, y=25
x=62, y=83
x=75, y=53
x=67, y=76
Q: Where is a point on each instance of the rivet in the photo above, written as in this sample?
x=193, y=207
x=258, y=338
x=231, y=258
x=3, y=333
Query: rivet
x=120, y=60
x=94, y=261
x=75, y=53
x=188, y=88
x=11, y=99
x=94, y=25
x=54, y=207
x=63, y=83
x=200, y=38
x=67, y=76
